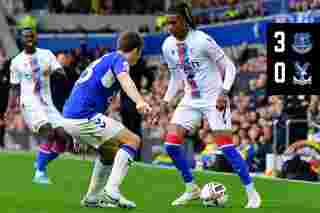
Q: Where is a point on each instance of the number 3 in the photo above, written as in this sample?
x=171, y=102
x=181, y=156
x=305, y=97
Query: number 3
x=87, y=73
x=280, y=47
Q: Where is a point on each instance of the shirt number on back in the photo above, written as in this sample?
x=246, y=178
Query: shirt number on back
x=87, y=73
x=100, y=123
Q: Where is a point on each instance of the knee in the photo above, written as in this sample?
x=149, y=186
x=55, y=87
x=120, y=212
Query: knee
x=45, y=147
x=129, y=138
x=135, y=141
x=175, y=135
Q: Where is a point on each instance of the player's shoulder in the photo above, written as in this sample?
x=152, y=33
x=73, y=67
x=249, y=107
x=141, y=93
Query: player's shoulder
x=168, y=42
x=201, y=36
x=112, y=58
x=118, y=57
x=17, y=59
x=43, y=51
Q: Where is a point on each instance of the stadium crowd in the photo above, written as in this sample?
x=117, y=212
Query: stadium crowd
x=208, y=11
x=303, y=5
x=234, y=8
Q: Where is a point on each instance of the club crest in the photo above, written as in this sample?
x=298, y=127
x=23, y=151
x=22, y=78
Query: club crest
x=302, y=76
x=302, y=43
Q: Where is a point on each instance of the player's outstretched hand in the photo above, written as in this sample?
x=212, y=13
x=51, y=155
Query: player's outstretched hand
x=221, y=102
x=143, y=107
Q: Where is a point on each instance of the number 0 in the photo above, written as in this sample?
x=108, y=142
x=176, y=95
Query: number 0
x=280, y=47
x=279, y=72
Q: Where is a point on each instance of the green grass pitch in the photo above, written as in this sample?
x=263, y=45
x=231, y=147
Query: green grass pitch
x=152, y=189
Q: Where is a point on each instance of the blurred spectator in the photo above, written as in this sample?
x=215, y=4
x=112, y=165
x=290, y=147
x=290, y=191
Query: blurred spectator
x=55, y=6
x=4, y=93
x=161, y=22
x=62, y=83
x=315, y=4
x=13, y=7
x=211, y=3
x=299, y=5
x=232, y=13
x=303, y=5
x=144, y=29
x=78, y=6
x=105, y=7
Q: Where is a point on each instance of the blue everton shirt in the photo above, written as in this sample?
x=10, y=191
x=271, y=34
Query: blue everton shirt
x=93, y=91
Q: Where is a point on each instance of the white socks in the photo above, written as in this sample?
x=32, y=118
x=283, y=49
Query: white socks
x=250, y=188
x=118, y=172
x=98, y=180
x=39, y=173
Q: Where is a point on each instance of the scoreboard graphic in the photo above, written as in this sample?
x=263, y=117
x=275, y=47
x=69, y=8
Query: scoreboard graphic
x=293, y=54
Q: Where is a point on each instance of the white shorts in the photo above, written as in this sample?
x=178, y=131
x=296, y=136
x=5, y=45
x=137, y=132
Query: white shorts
x=189, y=116
x=94, y=131
x=36, y=115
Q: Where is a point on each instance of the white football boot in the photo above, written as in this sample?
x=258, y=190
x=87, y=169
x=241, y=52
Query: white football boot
x=254, y=200
x=96, y=203
x=116, y=199
x=41, y=178
x=192, y=193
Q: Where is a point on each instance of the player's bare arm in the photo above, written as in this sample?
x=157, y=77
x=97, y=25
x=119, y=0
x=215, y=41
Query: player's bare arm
x=131, y=90
x=227, y=67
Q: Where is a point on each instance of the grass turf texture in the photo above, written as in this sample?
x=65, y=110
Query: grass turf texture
x=152, y=189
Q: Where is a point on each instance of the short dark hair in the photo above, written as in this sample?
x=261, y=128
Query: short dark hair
x=128, y=41
x=183, y=9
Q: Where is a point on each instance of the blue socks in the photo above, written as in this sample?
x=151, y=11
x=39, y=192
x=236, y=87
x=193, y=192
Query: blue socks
x=179, y=159
x=238, y=164
x=44, y=158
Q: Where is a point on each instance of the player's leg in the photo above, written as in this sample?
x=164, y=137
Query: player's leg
x=37, y=118
x=38, y=122
x=44, y=155
x=129, y=145
x=60, y=138
x=220, y=123
x=90, y=133
x=49, y=149
x=183, y=119
x=101, y=171
x=101, y=129
x=54, y=140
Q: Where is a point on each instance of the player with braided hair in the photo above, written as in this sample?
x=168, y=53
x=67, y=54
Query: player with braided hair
x=208, y=74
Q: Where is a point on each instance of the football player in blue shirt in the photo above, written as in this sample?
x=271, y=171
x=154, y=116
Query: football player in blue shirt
x=84, y=113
